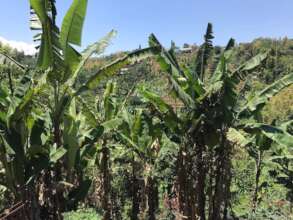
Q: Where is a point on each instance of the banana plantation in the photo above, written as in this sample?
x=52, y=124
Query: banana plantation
x=149, y=134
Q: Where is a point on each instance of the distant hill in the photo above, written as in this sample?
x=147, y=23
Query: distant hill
x=149, y=73
x=16, y=54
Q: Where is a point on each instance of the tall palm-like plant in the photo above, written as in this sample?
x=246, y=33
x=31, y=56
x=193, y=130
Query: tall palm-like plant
x=49, y=127
x=211, y=107
x=281, y=166
x=106, y=116
x=257, y=137
x=143, y=133
x=24, y=137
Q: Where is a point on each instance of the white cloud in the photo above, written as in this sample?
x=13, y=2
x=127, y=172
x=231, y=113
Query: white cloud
x=28, y=49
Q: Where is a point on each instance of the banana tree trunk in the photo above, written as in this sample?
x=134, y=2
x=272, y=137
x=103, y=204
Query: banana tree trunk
x=257, y=176
x=220, y=197
x=135, y=192
x=190, y=181
x=200, y=177
x=55, y=175
x=144, y=199
x=49, y=196
x=106, y=203
x=153, y=198
x=182, y=182
x=32, y=203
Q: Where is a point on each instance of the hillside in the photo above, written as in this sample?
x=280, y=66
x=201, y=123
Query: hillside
x=149, y=72
x=194, y=131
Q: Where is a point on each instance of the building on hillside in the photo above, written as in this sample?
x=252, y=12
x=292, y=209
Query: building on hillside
x=186, y=49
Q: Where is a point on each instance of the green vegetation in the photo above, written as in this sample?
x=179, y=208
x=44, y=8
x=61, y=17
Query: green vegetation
x=82, y=214
x=155, y=133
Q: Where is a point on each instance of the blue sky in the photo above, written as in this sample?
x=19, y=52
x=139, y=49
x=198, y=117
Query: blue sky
x=178, y=20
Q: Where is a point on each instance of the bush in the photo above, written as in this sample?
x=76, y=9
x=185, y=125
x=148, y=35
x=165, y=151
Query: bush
x=82, y=214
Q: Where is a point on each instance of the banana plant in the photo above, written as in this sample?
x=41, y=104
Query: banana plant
x=211, y=107
x=57, y=70
x=281, y=164
x=143, y=134
x=106, y=115
x=108, y=109
x=259, y=144
x=25, y=146
x=261, y=136
x=63, y=63
x=81, y=143
x=190, y=89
